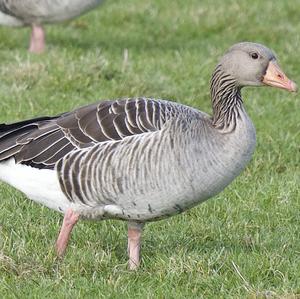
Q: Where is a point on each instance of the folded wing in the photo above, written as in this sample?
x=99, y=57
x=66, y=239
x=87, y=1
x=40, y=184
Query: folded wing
x=42, y=142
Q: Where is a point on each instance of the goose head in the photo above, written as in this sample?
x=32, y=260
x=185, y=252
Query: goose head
x=252, y=64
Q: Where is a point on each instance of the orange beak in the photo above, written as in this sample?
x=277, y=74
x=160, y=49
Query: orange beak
x=277, y=78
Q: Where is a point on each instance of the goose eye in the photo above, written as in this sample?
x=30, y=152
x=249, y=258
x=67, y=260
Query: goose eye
x=254, y=55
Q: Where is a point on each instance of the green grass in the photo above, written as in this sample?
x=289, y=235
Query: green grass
x=244, y=243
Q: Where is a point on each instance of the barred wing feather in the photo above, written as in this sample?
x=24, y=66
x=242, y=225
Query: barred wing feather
x=42, y=142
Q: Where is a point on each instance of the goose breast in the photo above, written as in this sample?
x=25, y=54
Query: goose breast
x=157, y=174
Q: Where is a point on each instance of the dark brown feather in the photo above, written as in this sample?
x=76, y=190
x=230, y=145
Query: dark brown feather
x=42, y=142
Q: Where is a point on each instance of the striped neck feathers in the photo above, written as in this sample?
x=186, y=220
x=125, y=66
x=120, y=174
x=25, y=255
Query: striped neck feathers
x=226, y=99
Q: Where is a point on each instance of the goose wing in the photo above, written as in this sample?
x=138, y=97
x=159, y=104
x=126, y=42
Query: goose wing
x=42, y=142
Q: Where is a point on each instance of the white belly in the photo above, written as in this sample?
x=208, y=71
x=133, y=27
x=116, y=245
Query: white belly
x=40, y=185
x=8, y=20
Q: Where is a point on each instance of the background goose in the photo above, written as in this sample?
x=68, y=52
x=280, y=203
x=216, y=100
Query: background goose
x=34, y=13
x=140, y=159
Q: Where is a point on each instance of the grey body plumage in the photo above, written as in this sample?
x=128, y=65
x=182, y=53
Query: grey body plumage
x=148, y=159
x=27, y=12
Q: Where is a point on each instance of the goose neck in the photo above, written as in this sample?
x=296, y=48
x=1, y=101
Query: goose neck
x=227, y=103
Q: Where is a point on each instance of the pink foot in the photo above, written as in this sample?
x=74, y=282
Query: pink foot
x=70, y=219
x=37, y=41
x=134, y=245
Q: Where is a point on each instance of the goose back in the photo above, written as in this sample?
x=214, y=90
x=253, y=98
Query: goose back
x=42, y=142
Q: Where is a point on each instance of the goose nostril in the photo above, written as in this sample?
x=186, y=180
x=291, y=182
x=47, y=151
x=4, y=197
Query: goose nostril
x=279, y=76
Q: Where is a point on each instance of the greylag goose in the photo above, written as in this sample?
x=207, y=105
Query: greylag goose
x=139, y=159
x=34, y=13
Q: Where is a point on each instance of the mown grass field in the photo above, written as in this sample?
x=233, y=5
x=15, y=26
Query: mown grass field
x=244, y=243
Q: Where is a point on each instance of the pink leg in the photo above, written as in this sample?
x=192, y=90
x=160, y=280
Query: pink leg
x=69, y=221
x=134, y=244
x=37, y=41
